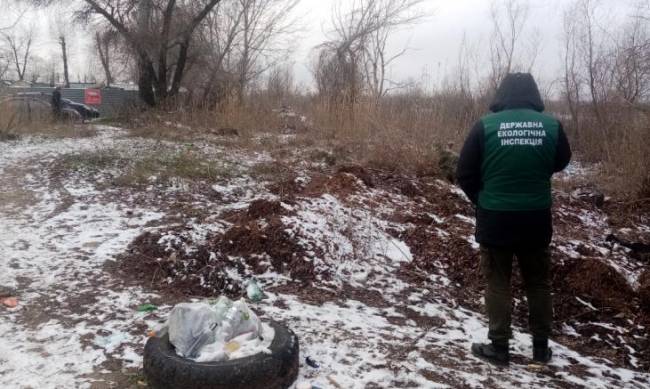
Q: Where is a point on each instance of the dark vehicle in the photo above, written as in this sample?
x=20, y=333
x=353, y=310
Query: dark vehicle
x=85, y=112
x=35, y=106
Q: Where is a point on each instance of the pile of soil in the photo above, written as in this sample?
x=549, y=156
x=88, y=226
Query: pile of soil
x=360, y=172
x=178, y=272
x=592, y=280
x=259, y=242
x=438, y=229
x=339, y=184
x=258, y=237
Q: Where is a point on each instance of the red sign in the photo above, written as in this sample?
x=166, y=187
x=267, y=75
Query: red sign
x=93, y=97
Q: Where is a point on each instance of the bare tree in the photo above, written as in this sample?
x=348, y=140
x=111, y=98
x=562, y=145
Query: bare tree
x=280, y=83
x=508, y=19
x=632, y=61
x=237, y=43
x=356, y=58
x=216, y=41
x=589, y=52
x=12, y=13
x=572, y=82
x=64, y=57
x=61, y=30
x=160, y=33
x=106, y=45
x=378, y=58
x=263, y=22
x=36, y=69
x=4, y=63
x=19, y=44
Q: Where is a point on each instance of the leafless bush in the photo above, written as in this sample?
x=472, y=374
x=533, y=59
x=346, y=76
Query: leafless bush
x=239, y=42
x=352, y=64
x=606, y=86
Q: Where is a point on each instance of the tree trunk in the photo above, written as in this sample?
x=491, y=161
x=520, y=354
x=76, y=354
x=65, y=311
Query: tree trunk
x=64, y=54
x=146, y=81
x=103, y=49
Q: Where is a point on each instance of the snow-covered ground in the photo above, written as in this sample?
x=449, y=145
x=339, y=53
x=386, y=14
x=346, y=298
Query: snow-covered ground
x=77, y=326
x=54, y=239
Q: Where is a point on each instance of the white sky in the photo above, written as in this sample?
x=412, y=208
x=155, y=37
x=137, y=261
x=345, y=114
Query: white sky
x=434, y=43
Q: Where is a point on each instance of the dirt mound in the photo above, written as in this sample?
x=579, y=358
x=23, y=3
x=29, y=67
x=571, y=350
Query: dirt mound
x=269, y=241
x=176, y=271
x=594, y=281
x=260, y=209
x=256, y=243
x=644, y=290
x=405, y=185
x=360, y=172
x=286, y=188
x=339, y=184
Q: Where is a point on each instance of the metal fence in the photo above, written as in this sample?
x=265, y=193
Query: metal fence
x=114, y=100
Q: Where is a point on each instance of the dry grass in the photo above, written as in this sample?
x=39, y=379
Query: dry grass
x=618, y=144
x=16, y=122
x=168, y=168
x=402, y=133
x=161, y=166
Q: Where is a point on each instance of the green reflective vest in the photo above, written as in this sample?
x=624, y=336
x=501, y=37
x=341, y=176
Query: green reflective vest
x=518, y=160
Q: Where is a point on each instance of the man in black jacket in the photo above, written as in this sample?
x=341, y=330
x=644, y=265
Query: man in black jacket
x=505, y=168
x=57, y=103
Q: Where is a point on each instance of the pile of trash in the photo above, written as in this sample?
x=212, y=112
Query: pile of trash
x=8, y=297
x=218, y=331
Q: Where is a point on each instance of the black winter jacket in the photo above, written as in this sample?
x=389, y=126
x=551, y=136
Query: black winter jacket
x=508, y=228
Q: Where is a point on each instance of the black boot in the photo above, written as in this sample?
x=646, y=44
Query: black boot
x=541, y=352
x=497, y=354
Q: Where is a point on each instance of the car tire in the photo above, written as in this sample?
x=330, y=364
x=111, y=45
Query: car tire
x=277, y=370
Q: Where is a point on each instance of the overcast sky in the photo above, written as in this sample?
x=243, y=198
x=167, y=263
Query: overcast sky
x=434, y=43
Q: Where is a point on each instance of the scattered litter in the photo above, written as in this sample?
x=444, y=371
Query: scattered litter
x=10, y=302
x=110, y=343
x=147, y=308
x=311, y=363
x=333, y=381
x=254, y=292
x=231, y=347
x=535, y=367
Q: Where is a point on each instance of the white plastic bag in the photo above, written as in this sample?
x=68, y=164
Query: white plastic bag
x=222, y=306
x=212, y=352
x=191, y=326
x=203, y=332
x=239, y=320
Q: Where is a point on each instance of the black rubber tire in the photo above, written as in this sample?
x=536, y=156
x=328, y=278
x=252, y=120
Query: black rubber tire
x=278, y=370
